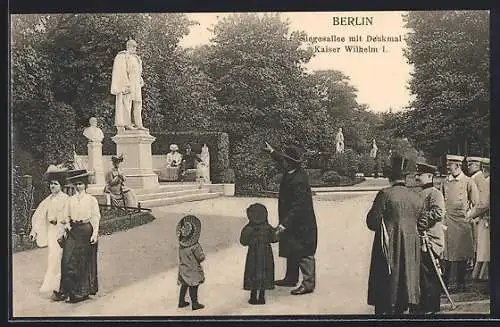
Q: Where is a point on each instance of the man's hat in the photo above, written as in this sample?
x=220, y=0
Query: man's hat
x=294, y=153
x=174, y=147
x=423, y=168
x=117, y=158
x=78, y=175
x=54, y=172
x=397, y=170
x=188, y=230
x=454, y=158
x=474, y=159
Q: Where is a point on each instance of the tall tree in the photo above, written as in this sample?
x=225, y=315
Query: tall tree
x=450, y=54
x=255, y=63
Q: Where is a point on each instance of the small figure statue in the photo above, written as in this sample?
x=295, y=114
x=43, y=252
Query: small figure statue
x=203, y=167
x=93, y=133
x=126, y=84
x=339, y=141
x=373, y=151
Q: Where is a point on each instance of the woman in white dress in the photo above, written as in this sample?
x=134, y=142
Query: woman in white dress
x=47, y=227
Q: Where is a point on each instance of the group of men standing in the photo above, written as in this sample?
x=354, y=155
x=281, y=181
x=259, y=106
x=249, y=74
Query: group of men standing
x=422, y=237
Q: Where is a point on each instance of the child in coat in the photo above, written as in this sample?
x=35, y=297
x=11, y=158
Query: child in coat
x=190, y=257
x=259, y=265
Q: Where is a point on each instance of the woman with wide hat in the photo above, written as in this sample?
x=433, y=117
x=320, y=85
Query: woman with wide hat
x=79, y=260
x=119, y=195
x=46, y=226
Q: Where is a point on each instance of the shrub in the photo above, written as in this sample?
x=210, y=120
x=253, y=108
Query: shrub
x=315, y=176
x=112, y=221
x=228, y=176
x=331, y=176
x=346, y=164
x=366, y=165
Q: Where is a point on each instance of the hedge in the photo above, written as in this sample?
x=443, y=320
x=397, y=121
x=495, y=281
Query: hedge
x=217, y=143
x=110, y=223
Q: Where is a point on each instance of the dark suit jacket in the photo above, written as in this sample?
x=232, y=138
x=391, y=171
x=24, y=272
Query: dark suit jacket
x=296, y=214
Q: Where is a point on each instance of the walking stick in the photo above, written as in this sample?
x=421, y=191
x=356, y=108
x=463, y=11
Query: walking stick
x=437, y=269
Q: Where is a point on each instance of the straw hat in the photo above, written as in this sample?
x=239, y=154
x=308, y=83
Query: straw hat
x=188, y=230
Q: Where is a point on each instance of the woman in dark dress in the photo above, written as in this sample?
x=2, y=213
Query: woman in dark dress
x=79, y=259
x=259, y=265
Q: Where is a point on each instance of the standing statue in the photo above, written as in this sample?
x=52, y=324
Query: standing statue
x=339, y=141
x=93, y=133
x=126, y=84
x=203, y=167
x=373, y=151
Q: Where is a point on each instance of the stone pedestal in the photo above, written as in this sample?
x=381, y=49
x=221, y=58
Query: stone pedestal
x=95, y=161
x=135, y=145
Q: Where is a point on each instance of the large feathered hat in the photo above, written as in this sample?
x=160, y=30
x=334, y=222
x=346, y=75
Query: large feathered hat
x=115, y=158
x=188, y=230
x=56, y=172
x=78, y=175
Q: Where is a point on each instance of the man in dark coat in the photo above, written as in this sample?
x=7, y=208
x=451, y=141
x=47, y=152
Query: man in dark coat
x=393, y=284
x=297, y=222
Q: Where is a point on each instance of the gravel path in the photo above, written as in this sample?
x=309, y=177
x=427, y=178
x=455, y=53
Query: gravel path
x=140, y=265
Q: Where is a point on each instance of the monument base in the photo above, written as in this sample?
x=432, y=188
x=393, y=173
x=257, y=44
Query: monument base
x=135, y=146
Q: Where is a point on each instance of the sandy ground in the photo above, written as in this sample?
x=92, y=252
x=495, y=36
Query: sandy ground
x=138, y=267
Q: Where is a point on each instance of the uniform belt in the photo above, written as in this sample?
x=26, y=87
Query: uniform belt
x=79, y=222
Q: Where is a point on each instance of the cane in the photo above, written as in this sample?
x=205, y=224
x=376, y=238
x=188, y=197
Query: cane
x=427, y=248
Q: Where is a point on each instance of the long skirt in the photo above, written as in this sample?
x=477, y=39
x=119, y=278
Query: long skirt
x=123, y=199
x=259, y=268
x=79, y=262
x=51, y=281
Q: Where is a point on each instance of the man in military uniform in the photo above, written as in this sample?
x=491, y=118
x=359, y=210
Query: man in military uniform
x=480, y=218
x=460, y=196
x=485, y=163
x=430, y=227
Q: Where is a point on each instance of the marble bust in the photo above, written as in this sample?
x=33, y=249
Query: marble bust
x=93, y=133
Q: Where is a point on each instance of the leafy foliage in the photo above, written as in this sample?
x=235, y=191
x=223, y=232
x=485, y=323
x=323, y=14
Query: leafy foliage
x=450, y=54
x=247, y=86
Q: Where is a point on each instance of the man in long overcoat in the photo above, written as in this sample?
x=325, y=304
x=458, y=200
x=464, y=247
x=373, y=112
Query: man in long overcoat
x=393, y=284
x=460, y=197
x=297, y=222
x=480, y=218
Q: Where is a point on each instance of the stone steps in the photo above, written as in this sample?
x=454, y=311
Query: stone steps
x=164, y=201
x=166, y=193
x=163, y=188
x=161, y=194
